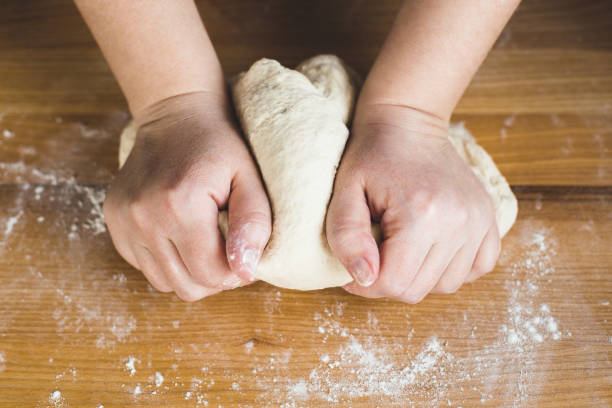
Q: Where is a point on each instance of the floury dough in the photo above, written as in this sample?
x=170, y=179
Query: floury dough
x=295, y=122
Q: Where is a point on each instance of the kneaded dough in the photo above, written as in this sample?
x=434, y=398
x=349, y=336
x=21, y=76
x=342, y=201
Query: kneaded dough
x=295, y=122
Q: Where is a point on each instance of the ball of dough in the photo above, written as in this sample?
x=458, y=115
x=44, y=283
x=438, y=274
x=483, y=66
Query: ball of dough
x=295, y=123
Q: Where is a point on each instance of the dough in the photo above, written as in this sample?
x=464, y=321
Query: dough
x=295, y=122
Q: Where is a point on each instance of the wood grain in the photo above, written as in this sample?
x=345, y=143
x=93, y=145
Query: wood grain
x=535, y=332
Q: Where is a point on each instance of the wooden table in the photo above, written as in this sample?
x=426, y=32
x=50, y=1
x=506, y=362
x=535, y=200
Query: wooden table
x=80, y=328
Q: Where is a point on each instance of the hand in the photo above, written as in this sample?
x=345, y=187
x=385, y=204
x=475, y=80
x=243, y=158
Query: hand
x=161, y=210
x=437, y=220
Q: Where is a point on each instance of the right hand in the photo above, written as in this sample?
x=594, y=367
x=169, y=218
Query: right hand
x=189, y=161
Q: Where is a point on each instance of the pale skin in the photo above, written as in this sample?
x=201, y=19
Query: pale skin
x=189, y=159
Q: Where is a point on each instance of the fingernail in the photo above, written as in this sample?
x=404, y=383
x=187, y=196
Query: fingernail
x=249, y=260
x=361, y=272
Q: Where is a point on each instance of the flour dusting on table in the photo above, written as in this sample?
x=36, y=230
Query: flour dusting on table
x=356, y=360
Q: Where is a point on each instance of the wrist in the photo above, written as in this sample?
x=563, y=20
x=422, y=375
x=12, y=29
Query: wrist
x=406, y=118
x=184, y=106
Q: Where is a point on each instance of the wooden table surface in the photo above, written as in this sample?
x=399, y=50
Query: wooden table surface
x=80, y=328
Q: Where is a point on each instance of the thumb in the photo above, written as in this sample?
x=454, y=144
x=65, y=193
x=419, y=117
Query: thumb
x=249, y=225
x=348, y=229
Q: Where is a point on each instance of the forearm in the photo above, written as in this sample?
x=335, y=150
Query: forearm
x=156, y=49
x=433, y=50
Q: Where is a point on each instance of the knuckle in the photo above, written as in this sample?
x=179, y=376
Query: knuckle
x=437, y=205
x=459, y=212
x=455, y=211
x=425, y=203
x=139, y=216
x=172, y=202
x=339, y=237
x=253, y=223
x=257, y=217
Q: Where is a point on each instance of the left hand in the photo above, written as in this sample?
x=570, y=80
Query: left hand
x=438, y=223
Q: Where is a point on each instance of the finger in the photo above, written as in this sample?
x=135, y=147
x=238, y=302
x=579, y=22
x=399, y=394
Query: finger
x=150, y=269
x=457, y=270
x=487, y=255
x=249, y=224
x=119, y=236
x=437, y=260
x=183, y=284
x=124, y=248
x=200, y=245
x=406, y=244
x=348, y=228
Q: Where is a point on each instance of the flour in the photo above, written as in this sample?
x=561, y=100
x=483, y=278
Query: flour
x=56, y=399
x=55, y=396
x=27, y=151
x=95, y=197
x=69, y=371
x=10, y=223
x=406, y=373
x=89, y=132
x=528, y=323
x=356, y=360
x=130, y=365
x=374, y=372
x=365, y=367
x=66, y=191
x=73, y=315
x=507, y=123
x=159, y=379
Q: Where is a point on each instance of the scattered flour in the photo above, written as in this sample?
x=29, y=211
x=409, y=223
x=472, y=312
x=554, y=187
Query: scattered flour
x=353, y=365
x=66, y=190
x=10, y=223
x=407, y=374
x=56, y=399
x=130, y=365
x=159, y=379
x=358, y=364
x=75, y=313
x=374, y=372
x=509, y=121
